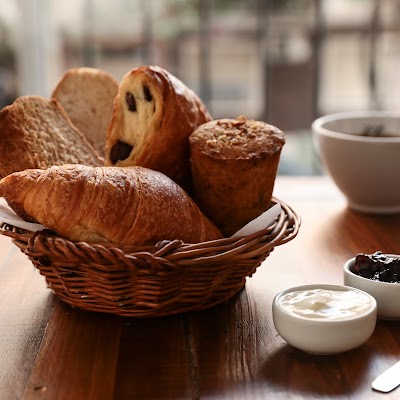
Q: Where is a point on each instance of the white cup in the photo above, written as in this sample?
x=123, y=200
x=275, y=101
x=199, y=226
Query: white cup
x=361, y=159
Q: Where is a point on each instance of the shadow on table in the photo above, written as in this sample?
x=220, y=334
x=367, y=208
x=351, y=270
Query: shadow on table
x=295, y=371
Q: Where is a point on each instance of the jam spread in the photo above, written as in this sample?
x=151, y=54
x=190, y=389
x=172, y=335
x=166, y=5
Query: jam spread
x=378, y=266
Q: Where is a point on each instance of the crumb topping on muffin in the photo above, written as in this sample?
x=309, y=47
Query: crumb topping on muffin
x=237, y=138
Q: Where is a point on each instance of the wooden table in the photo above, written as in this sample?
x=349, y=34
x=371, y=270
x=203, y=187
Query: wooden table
x=48, y=350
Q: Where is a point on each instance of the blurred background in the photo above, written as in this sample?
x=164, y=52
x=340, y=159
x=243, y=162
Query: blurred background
x=282, y=61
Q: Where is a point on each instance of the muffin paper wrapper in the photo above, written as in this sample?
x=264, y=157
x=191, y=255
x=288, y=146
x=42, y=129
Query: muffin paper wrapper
x=261, y=222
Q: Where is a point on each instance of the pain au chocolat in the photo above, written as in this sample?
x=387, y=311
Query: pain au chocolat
x=154, y=114
x=234, y=164
x=132, y=205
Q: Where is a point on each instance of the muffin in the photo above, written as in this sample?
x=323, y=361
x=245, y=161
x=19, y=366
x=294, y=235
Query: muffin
x=234, y=164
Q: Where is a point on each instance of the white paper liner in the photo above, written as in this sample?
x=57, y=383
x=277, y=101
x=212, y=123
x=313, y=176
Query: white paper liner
x=261, y=222
x=8, y=216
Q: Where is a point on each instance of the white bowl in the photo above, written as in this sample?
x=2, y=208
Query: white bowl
x=387, y=295
x=365, y=169
x=334, y=332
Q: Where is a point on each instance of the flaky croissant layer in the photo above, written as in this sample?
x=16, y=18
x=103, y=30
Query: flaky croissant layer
x=131, y=205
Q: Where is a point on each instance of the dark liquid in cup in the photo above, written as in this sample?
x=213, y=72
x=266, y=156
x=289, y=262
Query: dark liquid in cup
x=376, y=131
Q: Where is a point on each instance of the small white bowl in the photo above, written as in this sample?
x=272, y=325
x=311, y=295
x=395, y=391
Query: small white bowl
x=325, y=335
x=365, y=168
x=387, y=295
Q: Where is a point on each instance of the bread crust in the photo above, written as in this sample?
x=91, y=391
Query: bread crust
x=87, y=96
x=164, y=113
x=36, y=133
x=234, y=164
x=132, y=205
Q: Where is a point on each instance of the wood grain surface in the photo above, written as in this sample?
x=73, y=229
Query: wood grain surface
x=48, y=350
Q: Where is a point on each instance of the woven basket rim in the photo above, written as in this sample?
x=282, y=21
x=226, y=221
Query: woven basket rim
x=282, y=230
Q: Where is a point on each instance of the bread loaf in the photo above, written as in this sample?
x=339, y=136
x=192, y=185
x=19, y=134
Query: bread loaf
x=36, y=133
x=234, y=164
x=154, y=114
x=133, y=206
x=87, y=96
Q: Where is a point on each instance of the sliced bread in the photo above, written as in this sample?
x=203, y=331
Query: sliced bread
x=35, y=132
x=87, y=96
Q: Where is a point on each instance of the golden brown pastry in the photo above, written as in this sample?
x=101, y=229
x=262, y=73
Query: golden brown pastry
x=134, y=206
x=154, y=114
x=87, y=95
x=234, y=164
x=36, y=133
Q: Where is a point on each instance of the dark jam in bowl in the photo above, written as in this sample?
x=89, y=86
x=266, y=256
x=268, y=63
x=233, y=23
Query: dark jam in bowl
x=378, y=267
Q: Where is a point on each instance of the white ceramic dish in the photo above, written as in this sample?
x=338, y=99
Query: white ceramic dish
x=324, y=335
x=387, y=295
x=363, y=167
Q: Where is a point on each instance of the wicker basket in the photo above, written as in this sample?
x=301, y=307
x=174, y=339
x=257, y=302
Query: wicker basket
x=168, y=278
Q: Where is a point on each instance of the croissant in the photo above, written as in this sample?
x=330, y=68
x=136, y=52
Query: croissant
x=154, y=114
x=132, y=205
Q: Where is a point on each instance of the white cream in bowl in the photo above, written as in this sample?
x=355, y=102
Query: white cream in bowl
x=328, y=304
x=324, y=319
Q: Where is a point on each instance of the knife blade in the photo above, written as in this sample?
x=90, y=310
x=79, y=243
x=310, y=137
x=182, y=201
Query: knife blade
x=388, y=380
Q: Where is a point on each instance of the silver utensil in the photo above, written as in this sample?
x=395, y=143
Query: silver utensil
x=388, y=380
